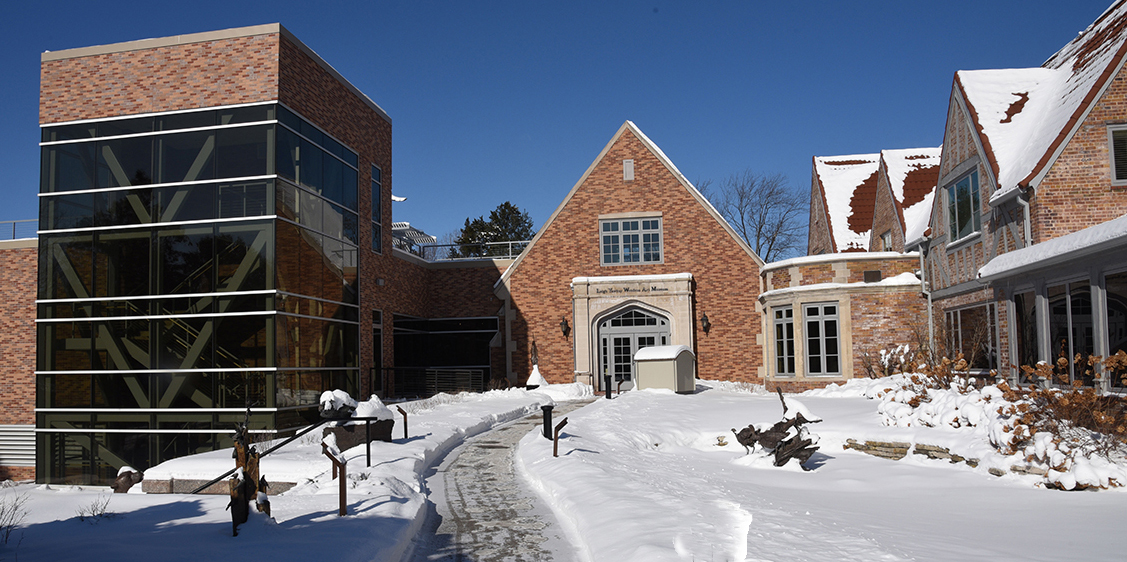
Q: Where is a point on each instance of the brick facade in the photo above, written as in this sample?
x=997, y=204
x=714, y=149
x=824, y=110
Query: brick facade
x=18, y=267
x=871, y=316
x=725, y=273
x=1077, y=191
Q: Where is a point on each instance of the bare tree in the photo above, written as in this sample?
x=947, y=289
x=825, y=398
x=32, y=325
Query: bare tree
x=765, y=210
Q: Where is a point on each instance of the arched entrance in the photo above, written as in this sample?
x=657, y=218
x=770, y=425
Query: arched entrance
x=620, y=336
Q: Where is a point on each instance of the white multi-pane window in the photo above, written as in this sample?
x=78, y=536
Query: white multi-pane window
x=823, y=356
x=627, y=241
x=784, y=341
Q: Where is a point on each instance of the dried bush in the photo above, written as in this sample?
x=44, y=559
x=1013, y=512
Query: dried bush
x=96, y=511
x=13, y=510
x=1078, y=417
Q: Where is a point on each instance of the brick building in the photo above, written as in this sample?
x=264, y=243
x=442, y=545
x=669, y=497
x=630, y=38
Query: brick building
x=1026, y=251
x=215, y=235
x=830, y=316
x=18, y=266
x=634, y=256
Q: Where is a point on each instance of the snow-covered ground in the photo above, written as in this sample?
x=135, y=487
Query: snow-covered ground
x=640, y=477
x=386, y=503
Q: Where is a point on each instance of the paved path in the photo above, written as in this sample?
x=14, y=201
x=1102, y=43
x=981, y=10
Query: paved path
x=483, y=512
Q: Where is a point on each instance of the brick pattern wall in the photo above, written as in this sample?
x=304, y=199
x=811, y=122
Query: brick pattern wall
x=726, y=279
x=206, y=74
x=18, y=268
x=886, y=217
x=1077, y=191
x=819, y=240
x=306, y=87
x=884, y=321
x=888, y=268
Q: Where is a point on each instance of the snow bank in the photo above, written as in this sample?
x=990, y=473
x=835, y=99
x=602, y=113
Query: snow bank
x=386, y=501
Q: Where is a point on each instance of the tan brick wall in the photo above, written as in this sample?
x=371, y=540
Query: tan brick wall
x=1077, y=191
x=726, y=279
x=885, y=321
x=195, y=75
x=819, y=240
x=886, y=217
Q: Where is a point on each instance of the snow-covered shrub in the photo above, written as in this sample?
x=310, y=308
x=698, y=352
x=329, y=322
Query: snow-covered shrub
x=1077, y=435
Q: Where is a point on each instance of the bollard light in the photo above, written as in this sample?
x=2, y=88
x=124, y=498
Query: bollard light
x=547, y=421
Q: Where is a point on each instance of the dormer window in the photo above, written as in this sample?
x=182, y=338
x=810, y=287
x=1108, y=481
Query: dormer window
x=964, y=213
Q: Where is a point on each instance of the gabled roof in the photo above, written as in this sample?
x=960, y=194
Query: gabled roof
x=848, y=186
x=1024, y=117
x=653, y=148
x=912, y=174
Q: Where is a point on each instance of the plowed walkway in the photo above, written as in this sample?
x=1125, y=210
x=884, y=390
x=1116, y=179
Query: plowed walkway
x=483, y=511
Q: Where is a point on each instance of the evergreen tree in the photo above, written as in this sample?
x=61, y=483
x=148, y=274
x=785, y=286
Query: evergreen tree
x=506, y=223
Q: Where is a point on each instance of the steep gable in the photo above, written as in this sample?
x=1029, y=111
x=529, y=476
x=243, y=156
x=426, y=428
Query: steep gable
x=1024, y=117
x=906, y=180
x=847, y=187
x=719, y=271
x=632, y=134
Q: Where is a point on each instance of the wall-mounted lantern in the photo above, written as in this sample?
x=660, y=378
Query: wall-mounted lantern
x=704, y=323
x=564, y=327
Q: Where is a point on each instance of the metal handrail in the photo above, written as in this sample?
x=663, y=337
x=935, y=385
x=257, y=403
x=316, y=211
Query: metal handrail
x=32, y=231
x=366, y=419
x=486, y=250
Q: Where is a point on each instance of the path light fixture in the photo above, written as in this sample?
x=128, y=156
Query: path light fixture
x=564, y=327
x=704, y=323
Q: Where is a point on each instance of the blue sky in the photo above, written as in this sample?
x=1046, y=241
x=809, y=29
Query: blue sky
x=511, y=101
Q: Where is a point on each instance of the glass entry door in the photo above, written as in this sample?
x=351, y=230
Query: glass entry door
x=621, y=336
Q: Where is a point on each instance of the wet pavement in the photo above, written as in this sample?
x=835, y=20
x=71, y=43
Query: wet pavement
x=482, y=511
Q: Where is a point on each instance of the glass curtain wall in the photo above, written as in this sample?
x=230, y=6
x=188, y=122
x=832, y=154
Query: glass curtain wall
x=192, y=265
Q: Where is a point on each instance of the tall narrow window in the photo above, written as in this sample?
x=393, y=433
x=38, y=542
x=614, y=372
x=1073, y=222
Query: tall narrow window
x=1070, y=331
x=1117, y=137
x=1117, y=323
x=377, y=351
x=963, y=208
x=1025, y=312
x=377, y=211
x=822, y=353
x=970, y=331
x=784, y=342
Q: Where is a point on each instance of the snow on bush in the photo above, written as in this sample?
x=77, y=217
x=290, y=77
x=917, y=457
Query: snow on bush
x=1073, y=457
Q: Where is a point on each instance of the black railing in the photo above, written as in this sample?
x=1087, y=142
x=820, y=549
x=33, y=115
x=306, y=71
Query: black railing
x=14, y=230
x=418, y=382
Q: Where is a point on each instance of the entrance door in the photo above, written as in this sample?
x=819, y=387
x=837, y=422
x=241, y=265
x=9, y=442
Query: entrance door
x=621, y=336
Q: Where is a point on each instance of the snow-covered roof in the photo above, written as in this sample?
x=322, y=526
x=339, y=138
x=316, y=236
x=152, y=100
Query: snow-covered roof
x=660, y=352
x=901, y=280
x=1025, y=115
x=405, y=230
x=842, y=257
x=848, y=185
x=916, y=219
x=1087, y=242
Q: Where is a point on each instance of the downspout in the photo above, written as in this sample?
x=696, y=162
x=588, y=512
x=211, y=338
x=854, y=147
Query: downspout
x=926, y=287
x=1023, y=200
